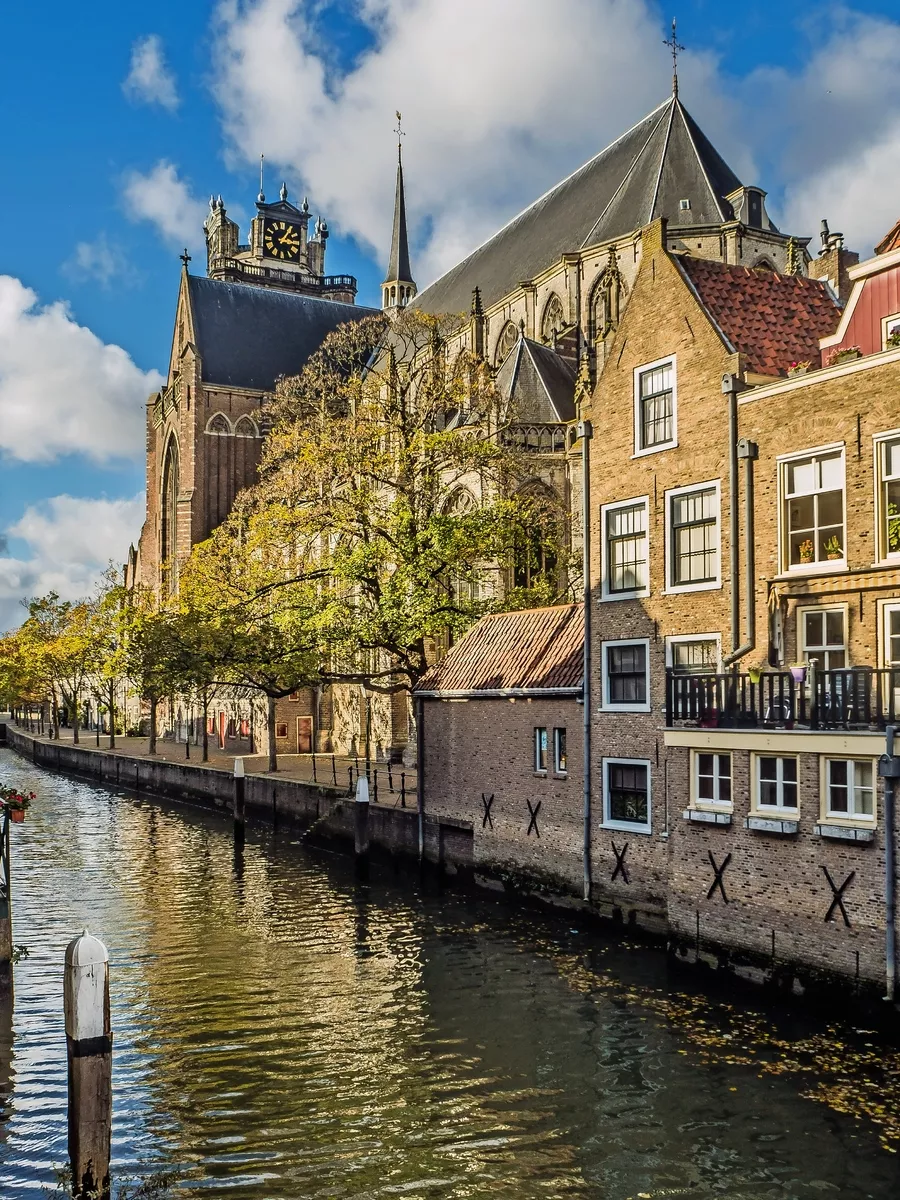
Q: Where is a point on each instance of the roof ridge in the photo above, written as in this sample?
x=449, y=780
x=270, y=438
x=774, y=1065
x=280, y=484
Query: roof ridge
x=625, y=178
x=662, y=160
x=712, y=191
x=549, y=192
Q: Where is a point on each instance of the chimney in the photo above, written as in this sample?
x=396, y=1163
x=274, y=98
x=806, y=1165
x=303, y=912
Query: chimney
x=833, y=263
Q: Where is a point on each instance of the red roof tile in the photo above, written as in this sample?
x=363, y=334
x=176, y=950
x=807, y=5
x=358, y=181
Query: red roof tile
x=533, y=648
x=773, y=319
x=890, y=241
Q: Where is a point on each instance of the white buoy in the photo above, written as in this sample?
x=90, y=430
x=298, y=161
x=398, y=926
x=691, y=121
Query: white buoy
x=89, y=1048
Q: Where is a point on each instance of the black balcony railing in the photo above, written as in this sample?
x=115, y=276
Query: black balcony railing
x=855, y=698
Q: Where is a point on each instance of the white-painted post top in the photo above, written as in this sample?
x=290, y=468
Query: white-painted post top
x=362, y=790
x=86, y=988
x=239, y=768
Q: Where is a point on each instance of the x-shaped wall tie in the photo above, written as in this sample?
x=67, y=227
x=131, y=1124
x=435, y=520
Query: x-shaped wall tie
x=487, y=819
x=533, y=815
x=837, y=896
x=718, y=882
x=620, y=862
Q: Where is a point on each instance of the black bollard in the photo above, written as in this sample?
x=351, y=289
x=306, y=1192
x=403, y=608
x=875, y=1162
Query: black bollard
x=315, y=779
x=403, y=789
x=333, y=771
x=89, y=1052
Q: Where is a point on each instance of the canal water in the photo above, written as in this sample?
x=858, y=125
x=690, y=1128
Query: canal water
x=284, y=1030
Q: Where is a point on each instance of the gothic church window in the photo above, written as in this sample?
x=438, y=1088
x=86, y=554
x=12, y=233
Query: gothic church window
x=219, y=425
x=509, y=335
x=553, y=320
x=169, y=540
x=605, y=304
x=536, y=552
x=245, y=428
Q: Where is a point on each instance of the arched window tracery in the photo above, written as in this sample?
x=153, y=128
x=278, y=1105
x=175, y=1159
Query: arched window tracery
x=536, y=552
x=509, y=335
x=171, y=482
x=219, y=425
x=606, y=300
x=553, y=320
x=246, y=428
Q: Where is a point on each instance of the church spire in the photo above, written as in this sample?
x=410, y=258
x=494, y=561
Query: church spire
x=398, y=287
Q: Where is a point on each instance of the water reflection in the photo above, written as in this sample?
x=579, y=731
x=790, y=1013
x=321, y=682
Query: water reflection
x=285, y=1030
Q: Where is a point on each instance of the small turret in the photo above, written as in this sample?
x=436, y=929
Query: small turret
x=222, y=235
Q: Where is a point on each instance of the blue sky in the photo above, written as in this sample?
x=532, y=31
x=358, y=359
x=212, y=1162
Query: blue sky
x=106, y=179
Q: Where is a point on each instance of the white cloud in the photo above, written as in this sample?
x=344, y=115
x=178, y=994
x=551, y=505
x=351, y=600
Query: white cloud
x=100, y=261
x=149, y=79
x=164, y=200
x=500, y=101
x=63, y=390
x=837, y=122
x=71, y=542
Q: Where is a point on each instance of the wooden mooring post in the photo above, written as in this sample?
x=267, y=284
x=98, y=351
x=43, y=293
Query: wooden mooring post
x=89, y=1049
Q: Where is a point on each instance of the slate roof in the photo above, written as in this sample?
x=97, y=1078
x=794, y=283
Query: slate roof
x=540, y=384
x=249, y=336
x=773, y=319
x=643, y=175
x=537, y=648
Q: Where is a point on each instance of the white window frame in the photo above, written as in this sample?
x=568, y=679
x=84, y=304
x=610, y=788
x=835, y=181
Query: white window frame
x=768, y=810
x=844, y=609
x=883, y=554
x=639, y=451
x=557, y=769
x=605, y=510
x=886, y=324
x=885, y=608
x=671, y=495
x=627, y=826
x=849, y=817
x=672, y=639
x=783, y=461
x=538, y=730
x=615, y=706
x=703, y=802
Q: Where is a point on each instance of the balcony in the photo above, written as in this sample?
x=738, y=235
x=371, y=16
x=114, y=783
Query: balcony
x=242, y=272
x=859, y=699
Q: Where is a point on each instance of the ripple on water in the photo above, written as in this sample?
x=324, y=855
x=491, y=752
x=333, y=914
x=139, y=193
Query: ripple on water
x=284, y=1031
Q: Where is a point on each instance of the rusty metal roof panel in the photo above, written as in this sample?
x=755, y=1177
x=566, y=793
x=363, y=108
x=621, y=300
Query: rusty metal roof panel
x=538, y=649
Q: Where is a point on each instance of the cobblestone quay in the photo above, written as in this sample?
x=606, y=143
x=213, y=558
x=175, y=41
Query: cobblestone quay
x=284, y=1029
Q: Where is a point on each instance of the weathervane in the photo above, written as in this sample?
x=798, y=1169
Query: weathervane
x=399, y=130
x=675, y=45
x=185, y=258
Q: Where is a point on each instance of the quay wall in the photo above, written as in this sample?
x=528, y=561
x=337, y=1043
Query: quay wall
x=326, y=812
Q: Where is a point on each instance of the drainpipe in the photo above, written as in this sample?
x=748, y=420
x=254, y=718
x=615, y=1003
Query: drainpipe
x=585, y=432
x=889, y=770
x=420, y=773
x=732, y=386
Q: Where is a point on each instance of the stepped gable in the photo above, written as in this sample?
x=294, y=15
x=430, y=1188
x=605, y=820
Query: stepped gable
x=535, y=649
x=643, y=175
x=773, y=319
x=248, y=337
x=539, y=384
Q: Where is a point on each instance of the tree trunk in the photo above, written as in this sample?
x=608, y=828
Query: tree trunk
x=205, y=730
x=270, y=723
x=112, y=716
x=152, y=747
x=74, y=717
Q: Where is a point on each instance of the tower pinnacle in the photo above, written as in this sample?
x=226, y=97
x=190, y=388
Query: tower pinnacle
x=398, y=287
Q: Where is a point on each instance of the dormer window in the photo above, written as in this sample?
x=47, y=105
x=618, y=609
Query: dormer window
x=754, y=208
x=684, y=205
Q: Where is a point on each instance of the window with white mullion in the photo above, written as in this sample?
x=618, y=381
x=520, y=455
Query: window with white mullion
x=889, y=471
x=694, y=537
x=656, y=413
x=823, y=637
x=850, y=787
x=712, y=778
x=814, y=508
x=626, y=548
x=776, y=783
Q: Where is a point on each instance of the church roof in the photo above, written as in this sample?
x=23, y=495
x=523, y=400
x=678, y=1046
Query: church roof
x=539, y=383
x=535, y=649
x=248, y=337
x=645, y=174
x=773, y=319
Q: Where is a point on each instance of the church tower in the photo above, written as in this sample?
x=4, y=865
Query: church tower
x=398, y=288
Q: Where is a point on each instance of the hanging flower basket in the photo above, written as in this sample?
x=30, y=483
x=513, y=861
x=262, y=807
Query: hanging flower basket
x=755, y=674
x=798, y=672
x=16, y=803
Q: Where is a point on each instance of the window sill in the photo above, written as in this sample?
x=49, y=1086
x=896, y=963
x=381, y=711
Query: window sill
x=706, y=816
x=836, y=566
x=560, y=774
x=624, y=708
x=779, y=825
x=539, y=774
x=678, y=589
x=627, y=827
x=611, y=597
x=655, y=449
x=845, y=833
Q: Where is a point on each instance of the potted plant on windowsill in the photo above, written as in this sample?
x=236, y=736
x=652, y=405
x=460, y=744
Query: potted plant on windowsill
x=842, y=354
x=892, y=341
x=15, y=802
x=806, y=550
x=798, y=368
x=833, y=549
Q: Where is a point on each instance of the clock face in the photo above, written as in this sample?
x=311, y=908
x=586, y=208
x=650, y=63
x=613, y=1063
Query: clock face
x=281, y=240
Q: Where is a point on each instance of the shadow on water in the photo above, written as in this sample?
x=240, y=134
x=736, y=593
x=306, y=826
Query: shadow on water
x=286, y=1029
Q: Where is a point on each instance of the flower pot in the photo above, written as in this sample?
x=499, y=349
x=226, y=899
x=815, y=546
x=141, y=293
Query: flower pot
x=798, y=673
x=836, y=557
x=17, y=815
x=755, y=674
x=797, y=371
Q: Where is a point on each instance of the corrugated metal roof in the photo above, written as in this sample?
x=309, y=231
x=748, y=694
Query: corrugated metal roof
x=533, y=649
